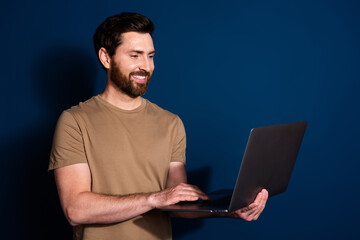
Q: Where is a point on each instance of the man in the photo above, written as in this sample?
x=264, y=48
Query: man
x=117, y=157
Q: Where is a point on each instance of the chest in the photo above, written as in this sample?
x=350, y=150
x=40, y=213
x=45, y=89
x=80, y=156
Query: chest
x=128, y=155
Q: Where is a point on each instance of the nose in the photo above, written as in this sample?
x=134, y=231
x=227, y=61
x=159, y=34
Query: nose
x=147, y=64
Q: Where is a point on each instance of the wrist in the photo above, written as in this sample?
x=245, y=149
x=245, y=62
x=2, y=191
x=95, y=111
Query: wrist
x=151, y=199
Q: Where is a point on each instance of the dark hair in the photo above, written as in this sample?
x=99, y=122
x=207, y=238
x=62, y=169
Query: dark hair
x=108, y=34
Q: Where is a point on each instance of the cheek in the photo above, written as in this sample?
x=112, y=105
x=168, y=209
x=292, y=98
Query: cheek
x=126, y=64
x=128, y=68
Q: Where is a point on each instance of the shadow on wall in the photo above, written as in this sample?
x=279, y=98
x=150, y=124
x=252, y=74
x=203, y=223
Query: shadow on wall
x=200, y=178
x=63, y=77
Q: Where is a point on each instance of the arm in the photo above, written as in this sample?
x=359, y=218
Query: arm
x=81, y=206
x=177, y=174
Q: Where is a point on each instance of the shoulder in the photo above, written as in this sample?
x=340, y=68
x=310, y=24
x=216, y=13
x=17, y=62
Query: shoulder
x=162, y=113
x=82, y=110
x=83, y=107
x=166, y=119
x=75, y=116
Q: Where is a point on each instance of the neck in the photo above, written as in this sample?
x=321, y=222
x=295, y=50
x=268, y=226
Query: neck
x=116, y=97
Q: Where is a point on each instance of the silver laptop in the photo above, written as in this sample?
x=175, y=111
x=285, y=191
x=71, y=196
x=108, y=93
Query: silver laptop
x=268, y=161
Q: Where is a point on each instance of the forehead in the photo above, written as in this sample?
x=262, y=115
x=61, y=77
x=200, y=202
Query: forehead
x=136, y=41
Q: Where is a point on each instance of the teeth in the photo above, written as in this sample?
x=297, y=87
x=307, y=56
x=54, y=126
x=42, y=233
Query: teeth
x=139, y=77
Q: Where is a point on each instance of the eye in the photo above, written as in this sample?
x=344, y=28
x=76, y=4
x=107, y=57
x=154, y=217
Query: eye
x=133, y=56
x=151, y=56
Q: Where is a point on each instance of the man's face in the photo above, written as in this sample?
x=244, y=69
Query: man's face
x=132, y=64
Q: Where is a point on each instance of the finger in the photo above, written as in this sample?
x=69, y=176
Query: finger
x=249, y=213
x=185, y=197
x=189, y=189
x=200, y=195
x=193, y=187
x=186, y=185
x=196, y=190
x=266, y=197
x=255, y=215
x=252, y=205
x=182, y=197
x=253, y=211
x=259, y=197
x=243, y=215
x=258, y=209
x=188, y=195
x=256, y=201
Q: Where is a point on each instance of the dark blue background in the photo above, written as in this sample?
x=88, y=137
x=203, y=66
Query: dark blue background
x=223, y=67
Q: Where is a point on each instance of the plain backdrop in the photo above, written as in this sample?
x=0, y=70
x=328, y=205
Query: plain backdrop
x=223, y=67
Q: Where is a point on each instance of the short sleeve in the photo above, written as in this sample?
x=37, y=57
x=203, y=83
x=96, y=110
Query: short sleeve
x=179, y=144
x=68, y=144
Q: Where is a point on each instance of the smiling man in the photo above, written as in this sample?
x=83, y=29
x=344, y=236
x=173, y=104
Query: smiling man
x=118, y=157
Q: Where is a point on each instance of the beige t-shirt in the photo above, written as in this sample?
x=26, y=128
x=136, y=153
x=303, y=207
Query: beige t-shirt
x=127, y=152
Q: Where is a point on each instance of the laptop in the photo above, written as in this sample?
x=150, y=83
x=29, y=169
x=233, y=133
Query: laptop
x=268, y=161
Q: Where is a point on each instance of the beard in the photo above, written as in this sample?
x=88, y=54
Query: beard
x=125, y=84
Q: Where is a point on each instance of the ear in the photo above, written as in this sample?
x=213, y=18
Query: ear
x=104, y=58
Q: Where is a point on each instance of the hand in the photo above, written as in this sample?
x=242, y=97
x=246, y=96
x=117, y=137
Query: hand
x=181, y=192
x=253, y=211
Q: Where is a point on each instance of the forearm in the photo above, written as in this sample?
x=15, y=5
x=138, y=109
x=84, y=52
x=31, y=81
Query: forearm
x=90, y=208
x=81, y=206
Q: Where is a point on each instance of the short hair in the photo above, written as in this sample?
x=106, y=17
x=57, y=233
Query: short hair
x=108, y=34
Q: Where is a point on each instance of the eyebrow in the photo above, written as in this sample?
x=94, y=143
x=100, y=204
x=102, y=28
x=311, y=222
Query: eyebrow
x=141, y=52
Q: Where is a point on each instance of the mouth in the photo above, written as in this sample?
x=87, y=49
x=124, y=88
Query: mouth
x=139, y=79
